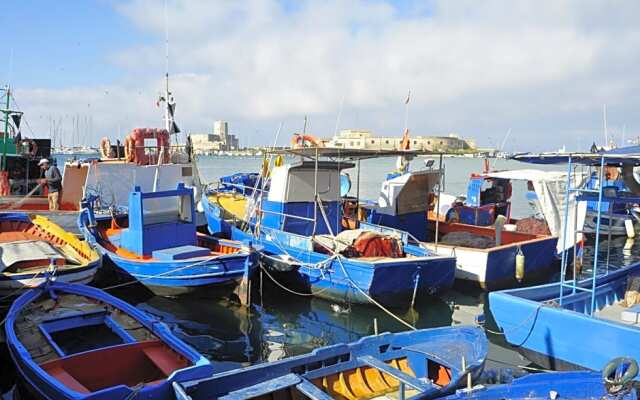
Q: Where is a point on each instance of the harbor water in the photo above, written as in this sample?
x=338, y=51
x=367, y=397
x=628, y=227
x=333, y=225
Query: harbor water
x=281, y=324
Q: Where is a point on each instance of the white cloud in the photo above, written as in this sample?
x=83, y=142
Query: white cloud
x=543, y=68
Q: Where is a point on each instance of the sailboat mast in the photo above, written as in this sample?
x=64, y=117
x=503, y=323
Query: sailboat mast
x=167, y=117
x=6, y=127
x=167, y=111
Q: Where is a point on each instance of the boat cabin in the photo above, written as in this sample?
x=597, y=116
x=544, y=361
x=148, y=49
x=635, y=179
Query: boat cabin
x=487, y=197
x=291, y=203
x=113, y=179
x=404, y=201
x=161, y=234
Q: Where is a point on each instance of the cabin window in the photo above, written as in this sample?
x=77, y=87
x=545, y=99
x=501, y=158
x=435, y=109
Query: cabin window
x=386, y=142
x=80, y=332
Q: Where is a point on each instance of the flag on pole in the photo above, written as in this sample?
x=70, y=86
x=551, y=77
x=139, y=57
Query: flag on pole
x=406, y=143
x=408, y=97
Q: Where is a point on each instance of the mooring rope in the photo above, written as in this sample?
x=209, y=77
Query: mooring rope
x=287, y=289
x=161, y=274
x=372, y=300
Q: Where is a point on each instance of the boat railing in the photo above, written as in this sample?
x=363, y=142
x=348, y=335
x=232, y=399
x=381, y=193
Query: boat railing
x=177, y=153
x=245, y=189
x=581, y=193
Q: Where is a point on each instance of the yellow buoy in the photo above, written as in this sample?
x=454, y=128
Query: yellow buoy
x=628, y=226
x=279, y=162
x=519, y=265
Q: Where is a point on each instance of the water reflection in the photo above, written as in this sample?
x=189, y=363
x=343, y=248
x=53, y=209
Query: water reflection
x=280, y=324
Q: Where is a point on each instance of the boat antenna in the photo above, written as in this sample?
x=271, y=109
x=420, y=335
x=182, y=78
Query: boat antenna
x=335, y=132
x=304, y=128
x=406, y=110
x=604, y=120
x=504, y=140
x=166, y=70
x=7, y=92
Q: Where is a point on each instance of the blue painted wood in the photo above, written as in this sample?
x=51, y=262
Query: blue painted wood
x=396, y=373
x=532, y=319
x=567, y=385
x=263, y=388
x=180, y=253
x=469, y=342
x=143, y=237
x=389, y=281
x=42, y=384
x=310, y=390
x=174, y=269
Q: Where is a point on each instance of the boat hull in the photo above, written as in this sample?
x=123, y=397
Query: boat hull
x=41, y=384
x=339, y=372
x=212, y=276
x=390, y=282
x=17, y=226
x=569, y=385
x=495, y=268
x=532, y=321
x=15, y=283
x=609, y=224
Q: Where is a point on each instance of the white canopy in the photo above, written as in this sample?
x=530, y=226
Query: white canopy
x=550, y=187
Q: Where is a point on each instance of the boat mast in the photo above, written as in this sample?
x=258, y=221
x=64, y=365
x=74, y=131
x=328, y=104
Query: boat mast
x=168, y=112
x=7, y=91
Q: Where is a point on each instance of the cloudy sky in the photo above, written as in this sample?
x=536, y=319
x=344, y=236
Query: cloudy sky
x=542, y=69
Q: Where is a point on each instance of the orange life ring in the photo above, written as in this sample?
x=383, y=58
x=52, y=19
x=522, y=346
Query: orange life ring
x=129, y=149
x=298, y=141
x=138, y=136
x=105, y=148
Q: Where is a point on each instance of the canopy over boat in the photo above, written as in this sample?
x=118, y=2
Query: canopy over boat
x=595, y=159
x=551, y=191
x=347, y=154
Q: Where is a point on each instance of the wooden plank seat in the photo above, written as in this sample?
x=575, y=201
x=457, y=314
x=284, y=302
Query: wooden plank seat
x=396, y=373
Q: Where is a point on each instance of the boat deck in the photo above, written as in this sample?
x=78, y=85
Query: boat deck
x=39, y=347
x=621, y=314
x=233, y=203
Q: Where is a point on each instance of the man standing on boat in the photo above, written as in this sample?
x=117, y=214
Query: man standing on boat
x=53, y=180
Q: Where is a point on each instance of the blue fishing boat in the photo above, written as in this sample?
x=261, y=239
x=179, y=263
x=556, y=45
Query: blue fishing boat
x=33, y=248
x=578, y=322
x=487, y=253
x=310, y=246
x=558, y=385
x=426, y=364
x=156, y=242
x=76, y=342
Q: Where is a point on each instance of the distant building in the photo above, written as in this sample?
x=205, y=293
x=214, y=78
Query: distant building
x=363, y=139
x=219, y=140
